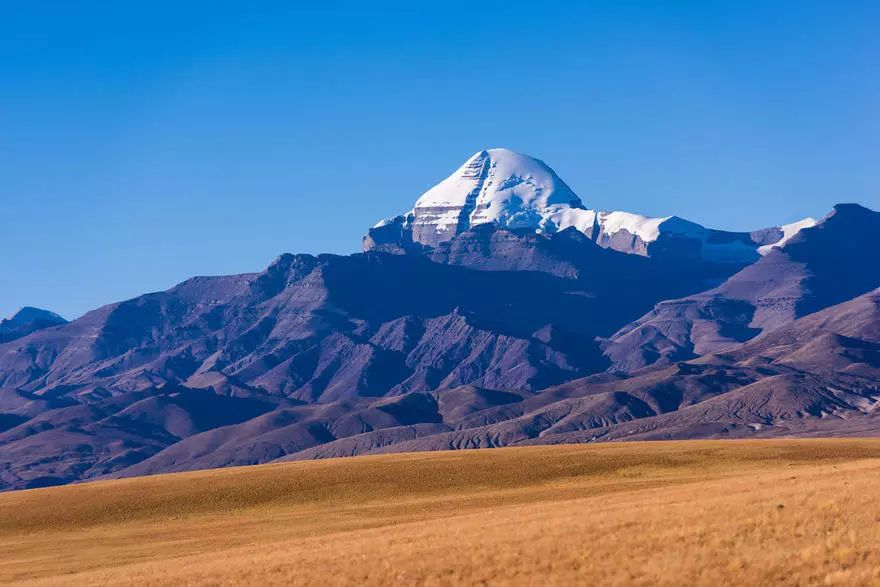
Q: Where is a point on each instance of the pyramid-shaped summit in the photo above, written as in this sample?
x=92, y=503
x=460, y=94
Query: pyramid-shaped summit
x=516, y=191
x=496, y=185
x=493, y=186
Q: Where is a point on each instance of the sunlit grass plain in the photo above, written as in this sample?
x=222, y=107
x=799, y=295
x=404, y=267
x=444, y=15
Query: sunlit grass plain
x=793, y=512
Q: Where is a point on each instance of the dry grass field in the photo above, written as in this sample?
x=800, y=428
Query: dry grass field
x=796, y=512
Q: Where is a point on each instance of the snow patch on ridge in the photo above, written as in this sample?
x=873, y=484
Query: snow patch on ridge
x=579, y=218
x=788, y=232
x=647, y=229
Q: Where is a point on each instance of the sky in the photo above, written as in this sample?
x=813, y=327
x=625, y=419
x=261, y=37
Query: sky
x=142, y=143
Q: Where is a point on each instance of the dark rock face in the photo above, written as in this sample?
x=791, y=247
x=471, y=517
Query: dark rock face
x=819, y=375
x=496, y=309
x=27, y=320
x=394, y=237
x=679, y=240
x=766, y=236
x=821, y=266
x=491, y=339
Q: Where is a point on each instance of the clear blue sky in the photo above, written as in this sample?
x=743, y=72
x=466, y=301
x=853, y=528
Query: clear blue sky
x=145, y=142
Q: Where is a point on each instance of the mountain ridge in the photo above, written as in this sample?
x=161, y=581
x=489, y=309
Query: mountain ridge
x=513, y=325
x=818, y=267
x=516, y=191
x=26, y=320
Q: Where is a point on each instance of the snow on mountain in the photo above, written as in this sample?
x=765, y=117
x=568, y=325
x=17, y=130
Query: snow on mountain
x=519, y=192
x=634, y=233
x=647, y=229
x=495, y=185
x=788, y=231
x=817, y=268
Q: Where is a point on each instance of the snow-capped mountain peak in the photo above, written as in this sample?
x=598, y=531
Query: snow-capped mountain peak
x=493, y=186
x=494, y=177
x=516, y=191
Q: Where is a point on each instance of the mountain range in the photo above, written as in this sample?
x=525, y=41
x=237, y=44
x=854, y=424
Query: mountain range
x=500, y=310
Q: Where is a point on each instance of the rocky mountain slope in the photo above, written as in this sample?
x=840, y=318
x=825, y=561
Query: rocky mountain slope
x=820, y=266
x=27, y=320
x=817, y=375
x=490, y=315
x=520, y=312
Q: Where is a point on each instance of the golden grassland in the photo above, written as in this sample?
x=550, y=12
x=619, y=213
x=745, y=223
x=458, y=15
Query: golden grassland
x=793, y=512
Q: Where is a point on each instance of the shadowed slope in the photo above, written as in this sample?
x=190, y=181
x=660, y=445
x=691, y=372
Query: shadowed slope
x=26, y=321
x=820, y=266
x=818, y=373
